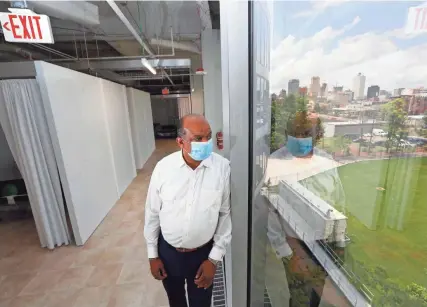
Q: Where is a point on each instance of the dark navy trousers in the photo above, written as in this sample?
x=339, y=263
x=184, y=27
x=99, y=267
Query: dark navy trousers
x=182, y=268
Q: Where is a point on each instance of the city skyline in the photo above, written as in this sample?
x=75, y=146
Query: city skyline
x=342, y=88
x=344, y=38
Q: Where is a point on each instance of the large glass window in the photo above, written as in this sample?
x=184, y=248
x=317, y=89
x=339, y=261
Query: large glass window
x=339, y=144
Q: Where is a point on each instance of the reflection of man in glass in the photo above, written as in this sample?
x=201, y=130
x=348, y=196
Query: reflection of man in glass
x=294, y=163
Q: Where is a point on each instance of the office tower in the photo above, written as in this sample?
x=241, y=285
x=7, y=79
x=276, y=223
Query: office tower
x=349, y=94
x=323, y=90
x=282, y=93
x=293, y=87
x=315, y=87
x=338, y=89
x=359, y=86
x=373, y=91
x=385, y=93
x=397, y=91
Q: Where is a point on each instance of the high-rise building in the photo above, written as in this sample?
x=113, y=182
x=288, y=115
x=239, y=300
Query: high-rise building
x=373, y=91
x=315, y=87
x=349, y=94
x=359, y=86
x=397, y=91
x=293, y=87
x=338, y=89
x=385, y=93
x=282, y=93
x=323, y=90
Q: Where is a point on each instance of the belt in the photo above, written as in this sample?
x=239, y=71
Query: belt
x=189, y=250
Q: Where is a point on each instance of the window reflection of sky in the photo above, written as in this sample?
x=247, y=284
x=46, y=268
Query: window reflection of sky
x=335, y=40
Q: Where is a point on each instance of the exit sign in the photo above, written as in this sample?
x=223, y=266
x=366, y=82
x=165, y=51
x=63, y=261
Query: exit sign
x=417, y=20
x=25, y=26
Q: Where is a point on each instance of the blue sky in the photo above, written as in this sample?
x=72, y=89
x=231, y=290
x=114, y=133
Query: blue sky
x=378, y=16
x=324, y=34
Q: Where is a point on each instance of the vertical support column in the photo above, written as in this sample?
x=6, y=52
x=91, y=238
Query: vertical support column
x=211, y=54
x=236, y=116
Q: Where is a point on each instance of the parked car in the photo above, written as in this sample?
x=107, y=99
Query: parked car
x=406, y=144
x=420, y=141
x=166, y=131
x=351, y=136
x=367, y=135
x=379, y=132
x=359, y=140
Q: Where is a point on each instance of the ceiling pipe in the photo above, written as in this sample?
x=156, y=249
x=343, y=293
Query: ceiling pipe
x=128, y=25
x=19, y=4
x=132, y=30
x=54, y=51
x=153, y=78
x=25, y=53
x=10, y=56
x=168, y=77
x=124, y=64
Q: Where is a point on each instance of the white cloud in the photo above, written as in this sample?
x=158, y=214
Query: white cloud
x=373, y=54
x=401, y=33
x=318, y=7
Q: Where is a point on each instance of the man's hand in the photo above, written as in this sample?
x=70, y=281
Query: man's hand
x=205, y=275
x=158, y=269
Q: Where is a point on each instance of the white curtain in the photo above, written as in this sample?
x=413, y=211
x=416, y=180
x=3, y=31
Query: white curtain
x=184, y=107
x=23, y=120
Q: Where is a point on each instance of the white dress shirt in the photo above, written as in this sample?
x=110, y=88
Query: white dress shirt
x=190, y=207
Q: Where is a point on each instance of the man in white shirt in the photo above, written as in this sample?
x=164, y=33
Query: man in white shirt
x=187, y=215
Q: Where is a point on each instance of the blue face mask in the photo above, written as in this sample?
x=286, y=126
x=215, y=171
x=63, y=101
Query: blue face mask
x=299, y=147
x=201, y=150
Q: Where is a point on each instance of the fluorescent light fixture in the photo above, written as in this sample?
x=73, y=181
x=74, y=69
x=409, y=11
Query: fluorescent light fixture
x=147, y=65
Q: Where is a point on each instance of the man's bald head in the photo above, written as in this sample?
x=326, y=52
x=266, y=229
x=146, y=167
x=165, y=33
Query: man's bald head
x=193, y=128
x=193, y=123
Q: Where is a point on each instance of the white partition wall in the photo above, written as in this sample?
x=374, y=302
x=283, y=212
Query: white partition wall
x=141, y=119
x=91, y=135
x=118, y=124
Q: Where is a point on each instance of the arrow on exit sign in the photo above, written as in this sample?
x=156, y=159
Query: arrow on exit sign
x=25, y=26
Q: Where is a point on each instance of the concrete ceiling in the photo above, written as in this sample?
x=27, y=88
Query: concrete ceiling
x=153, y=20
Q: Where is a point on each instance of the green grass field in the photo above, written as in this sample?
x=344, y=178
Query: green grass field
x=386, y=206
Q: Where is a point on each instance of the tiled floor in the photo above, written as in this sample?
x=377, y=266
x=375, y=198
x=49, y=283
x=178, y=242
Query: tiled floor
x=111, y=270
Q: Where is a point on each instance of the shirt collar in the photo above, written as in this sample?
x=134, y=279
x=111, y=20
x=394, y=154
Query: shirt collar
x=206, y=163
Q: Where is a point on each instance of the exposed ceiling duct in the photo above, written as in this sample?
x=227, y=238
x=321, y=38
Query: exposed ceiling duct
x=23, y=52
x=9, y=56
x=186, y=46
x=129, y=26
x=81, y=12
x=111, y=45
x=138, y=38
x=125, y=64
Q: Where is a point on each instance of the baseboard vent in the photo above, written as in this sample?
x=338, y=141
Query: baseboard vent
x=267, y=302
x=218, y=296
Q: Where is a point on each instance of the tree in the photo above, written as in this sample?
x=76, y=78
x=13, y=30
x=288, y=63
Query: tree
x=289, y=116
x=425, y=119
x=395, y=113
x=290, y=104
x=278, y=129
x=343, y=143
